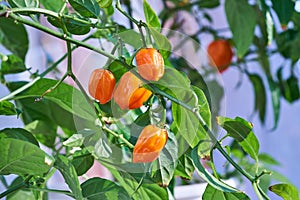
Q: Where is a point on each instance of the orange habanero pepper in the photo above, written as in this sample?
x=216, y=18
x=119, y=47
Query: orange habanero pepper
x=150, y=64
x=220, y=54
x=101, y=85
x=129, y=93
x=149, y=144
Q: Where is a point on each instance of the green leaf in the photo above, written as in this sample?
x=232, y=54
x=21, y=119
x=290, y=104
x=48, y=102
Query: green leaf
x=132, y=38
x=104, y=3
x=185, y=166
x=51, y=114
x=275, y=96
x=138, y=125
x=188, y=126
x=241, y=130
x=260, y=95
x=295, y=55
x=286, y=191
x=146, y=191
x=117, y=69
x=97, y=145
x=185, y=124
x=284, y=10
x=211, y=193
x=18, y=133
x=7, y=108
x=86, y=8
x=14, y=37
x=289, y=88
x=66, y=96
x=69, y=173
x=163, y=44
x=12, y=64
x=52, y=5
x=73, y=26
x=21, y=157
x=82, y=161
x=44, y=131
x=97, y=188
x=209, y=178
x=19, y=194
x=208, y=3
x=267, y=159
x=151, y=17
x=77, y=28
x=157, y=112
x=109, y=11
x=24, y=3
x=292, y=93
x=76, y=140
x=284, y=41
x=203, y=106
x=242, y=20
x=165, y=164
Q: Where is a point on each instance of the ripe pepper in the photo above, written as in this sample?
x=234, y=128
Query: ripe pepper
x=101, y=85
x=220, y=54
x=150, y=64
x=129, y=93
x=149, y=144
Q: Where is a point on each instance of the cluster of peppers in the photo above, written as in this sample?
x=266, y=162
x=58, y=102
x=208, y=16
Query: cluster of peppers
x=129, y=94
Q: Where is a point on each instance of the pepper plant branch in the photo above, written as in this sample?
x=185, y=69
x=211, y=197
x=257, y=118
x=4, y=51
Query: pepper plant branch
x=15, y=188
x=120, y=136
x=139, y=24
x=51, y=190
x=119, y=8
x=43, y=74
x=59, y=35
x=56, y=15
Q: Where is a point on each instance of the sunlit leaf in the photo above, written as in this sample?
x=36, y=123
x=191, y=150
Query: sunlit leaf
x=26, y=158
x=165, y=164
x=150, y=15
x=162, y=43
x=146, y=191
x=104, y=3
x=66, y=96
x=211, y=193
x=286, y=191
x=241, y=130
x=76, y=140
x=7, y=108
